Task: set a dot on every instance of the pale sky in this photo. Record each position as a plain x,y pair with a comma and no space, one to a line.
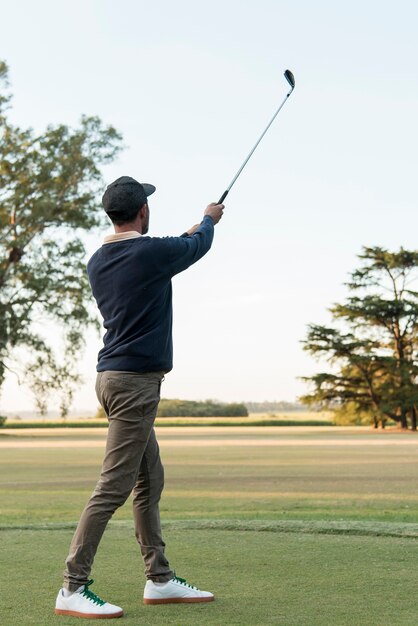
191,85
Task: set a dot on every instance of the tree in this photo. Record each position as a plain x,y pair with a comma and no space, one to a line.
49,185
374,353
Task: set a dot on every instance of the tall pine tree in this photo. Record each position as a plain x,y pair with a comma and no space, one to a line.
373,347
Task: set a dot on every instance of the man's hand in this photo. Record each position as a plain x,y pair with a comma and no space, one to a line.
215,211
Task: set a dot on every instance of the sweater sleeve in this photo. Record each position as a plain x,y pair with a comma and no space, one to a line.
186,250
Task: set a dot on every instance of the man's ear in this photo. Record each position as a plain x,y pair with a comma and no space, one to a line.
143,210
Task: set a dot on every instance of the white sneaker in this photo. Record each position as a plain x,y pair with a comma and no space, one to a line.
174,591
85,603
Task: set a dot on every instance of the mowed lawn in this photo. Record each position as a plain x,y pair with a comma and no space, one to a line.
303,526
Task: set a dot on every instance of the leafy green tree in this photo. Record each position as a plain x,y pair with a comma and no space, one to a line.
49,186
373,353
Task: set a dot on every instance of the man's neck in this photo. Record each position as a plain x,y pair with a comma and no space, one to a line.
135,225
139,224
128,228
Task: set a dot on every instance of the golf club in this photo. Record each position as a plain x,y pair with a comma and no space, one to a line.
291,80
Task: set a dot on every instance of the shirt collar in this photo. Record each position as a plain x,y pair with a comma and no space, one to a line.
129,234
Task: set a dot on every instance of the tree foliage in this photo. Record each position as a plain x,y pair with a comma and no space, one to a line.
373,351
208,408
49,186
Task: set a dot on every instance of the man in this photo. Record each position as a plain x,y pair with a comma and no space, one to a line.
130,277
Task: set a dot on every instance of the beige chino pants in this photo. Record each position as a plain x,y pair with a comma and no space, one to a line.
131,463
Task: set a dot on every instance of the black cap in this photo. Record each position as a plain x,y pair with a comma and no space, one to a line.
125,194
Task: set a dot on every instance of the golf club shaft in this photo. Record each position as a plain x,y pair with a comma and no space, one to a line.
225,193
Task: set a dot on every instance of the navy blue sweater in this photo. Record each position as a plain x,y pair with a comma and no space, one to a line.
131,283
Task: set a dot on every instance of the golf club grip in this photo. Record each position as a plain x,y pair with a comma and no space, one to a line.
223,196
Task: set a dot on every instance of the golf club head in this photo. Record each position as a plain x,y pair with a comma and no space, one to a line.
290,78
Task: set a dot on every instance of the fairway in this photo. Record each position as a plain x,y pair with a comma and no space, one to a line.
287,525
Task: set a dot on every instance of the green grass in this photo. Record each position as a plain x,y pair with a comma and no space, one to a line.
258,578
322,531
256,482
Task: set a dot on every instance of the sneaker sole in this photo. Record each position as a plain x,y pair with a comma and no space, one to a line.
88,615
176,600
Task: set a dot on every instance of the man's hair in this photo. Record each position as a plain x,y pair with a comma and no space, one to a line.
125,216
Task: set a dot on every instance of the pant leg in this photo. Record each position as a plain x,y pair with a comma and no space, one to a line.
130,401
146,497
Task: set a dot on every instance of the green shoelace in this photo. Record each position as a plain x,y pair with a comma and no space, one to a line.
183,581
90,595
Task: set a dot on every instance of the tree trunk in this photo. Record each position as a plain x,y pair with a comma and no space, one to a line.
413,418
404,419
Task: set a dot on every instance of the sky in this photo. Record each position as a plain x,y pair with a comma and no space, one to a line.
191,85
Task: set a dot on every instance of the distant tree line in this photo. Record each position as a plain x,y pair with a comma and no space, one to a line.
208,408
191,408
